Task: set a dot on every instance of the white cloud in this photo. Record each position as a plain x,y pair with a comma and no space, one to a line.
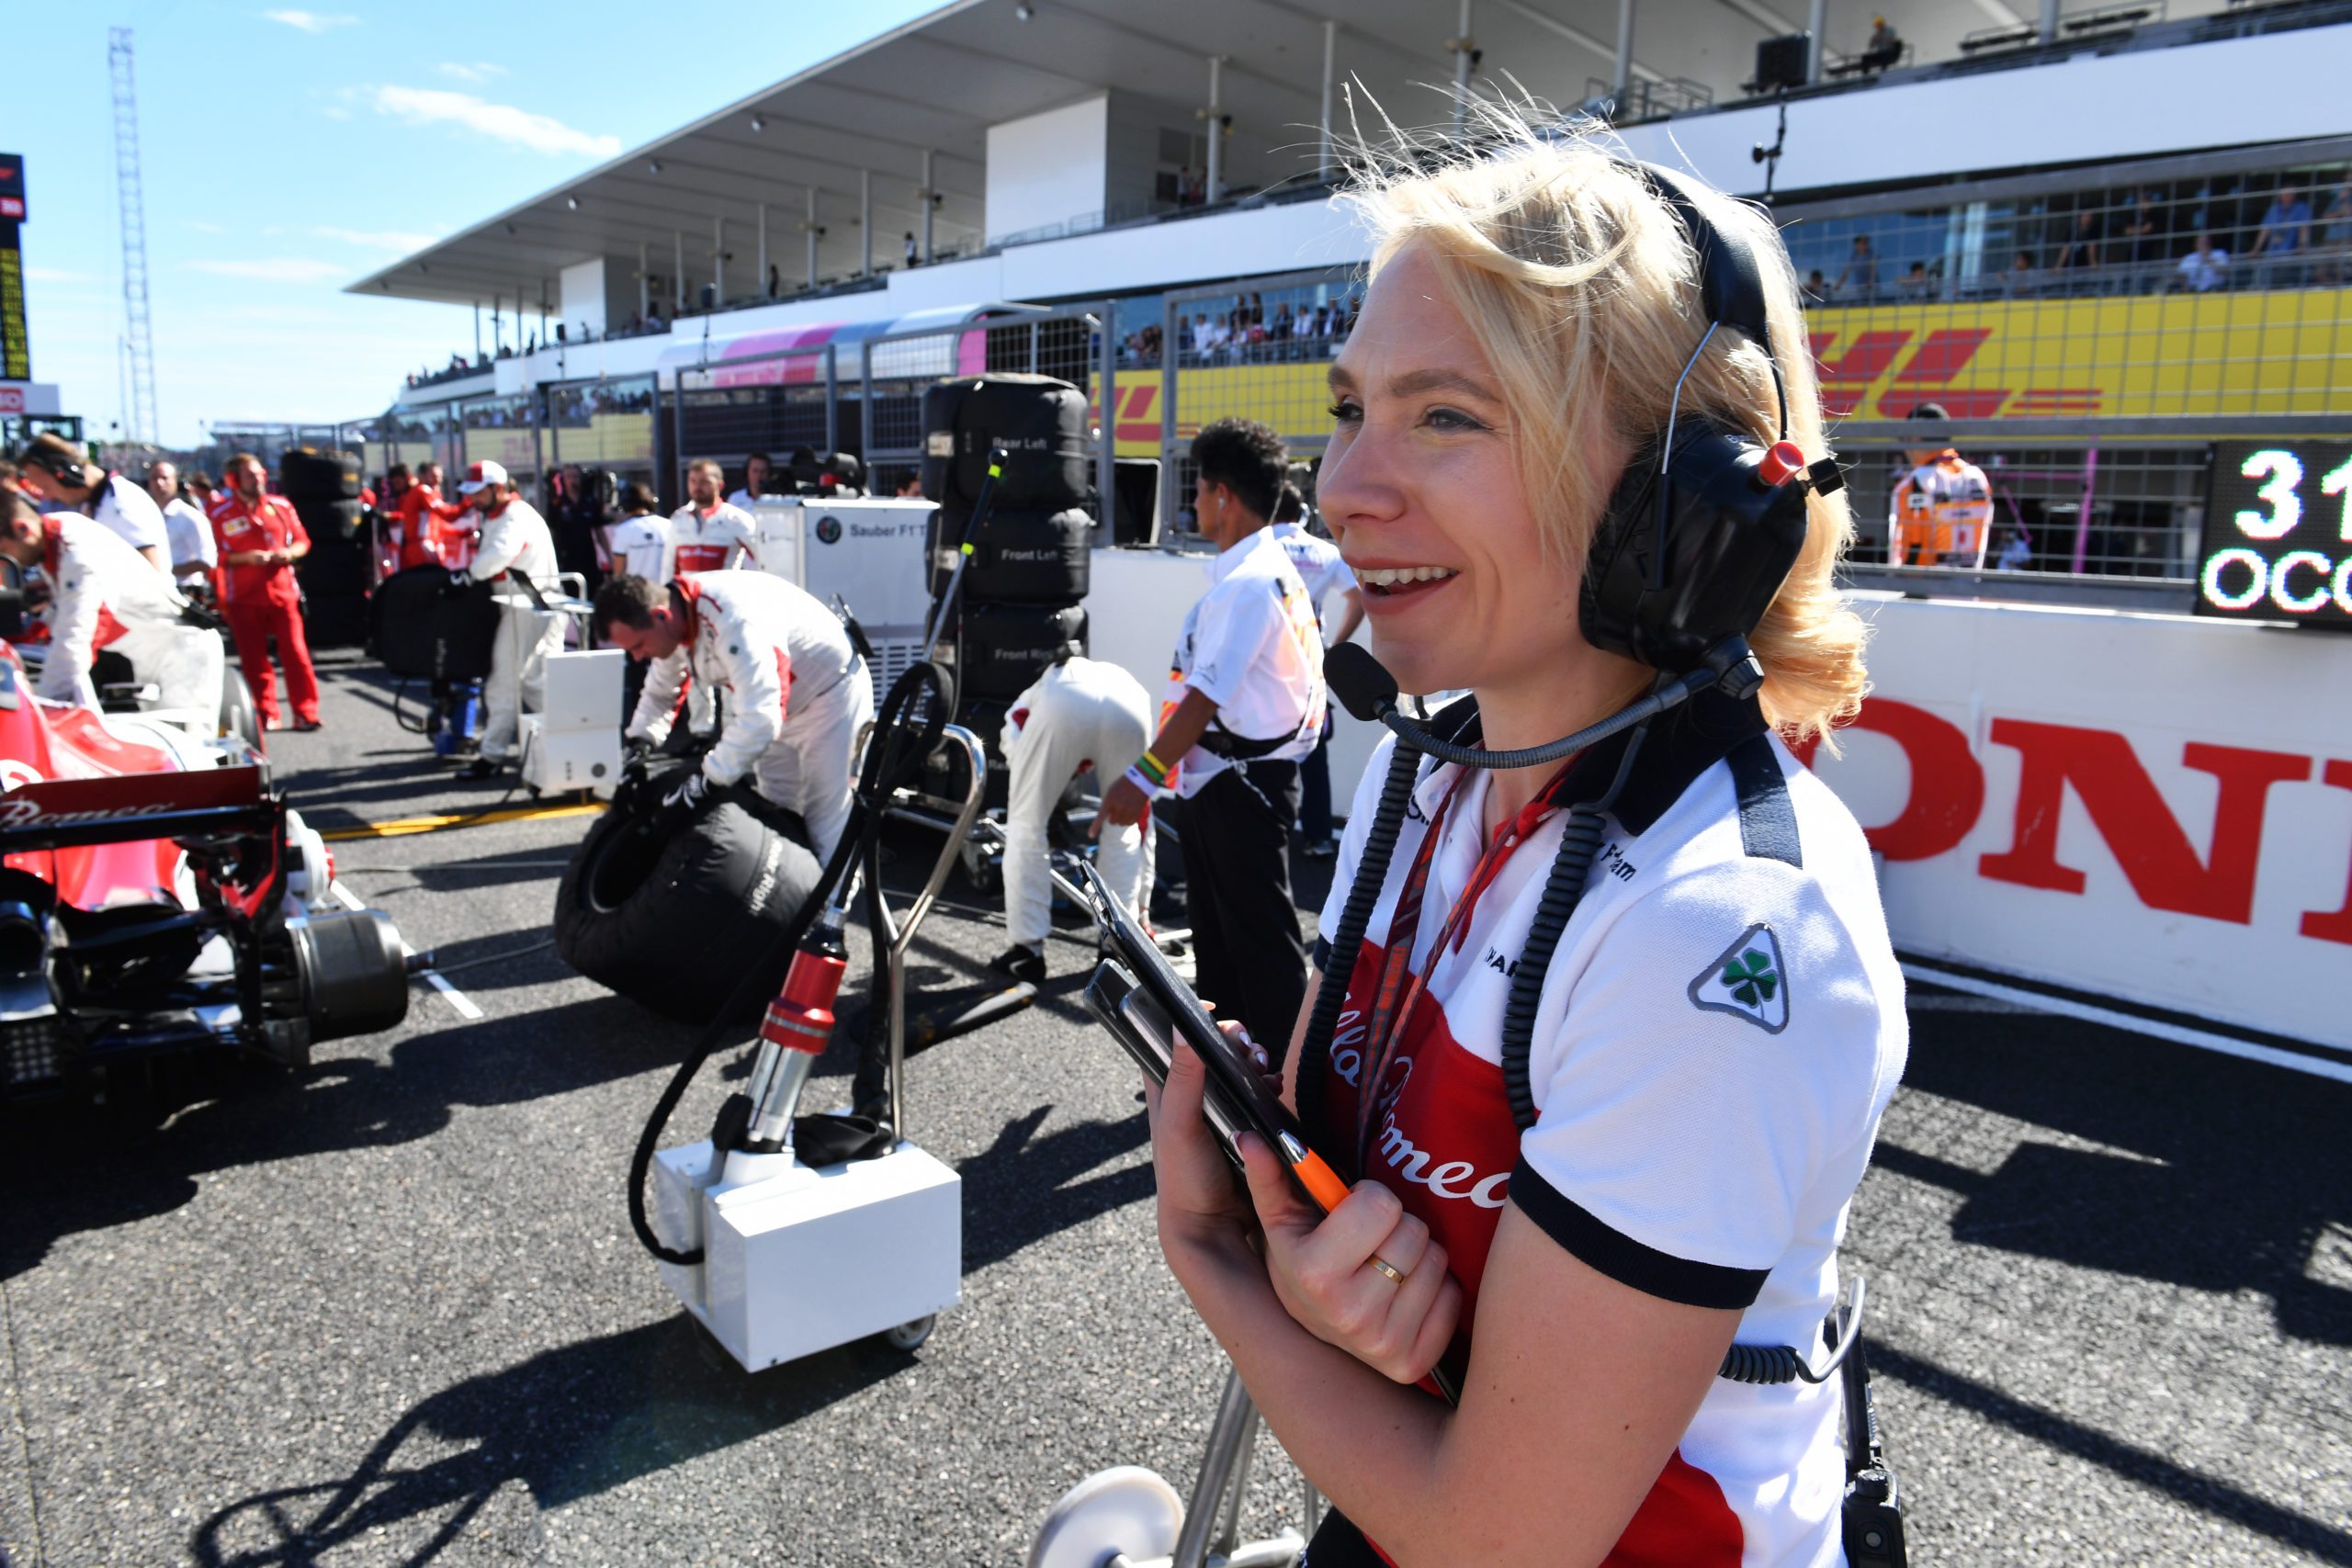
501,122
276,269
479,71
379,240
56,274
310,22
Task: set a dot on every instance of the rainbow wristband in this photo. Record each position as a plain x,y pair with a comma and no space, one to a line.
1154,769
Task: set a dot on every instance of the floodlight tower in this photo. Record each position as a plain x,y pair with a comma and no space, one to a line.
138,414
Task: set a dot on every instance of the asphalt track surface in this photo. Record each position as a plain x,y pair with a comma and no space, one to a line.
390,1310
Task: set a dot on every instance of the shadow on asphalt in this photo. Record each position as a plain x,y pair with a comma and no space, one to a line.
2243,1166
258,1115
568,1424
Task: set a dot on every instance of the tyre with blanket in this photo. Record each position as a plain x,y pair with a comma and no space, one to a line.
674,915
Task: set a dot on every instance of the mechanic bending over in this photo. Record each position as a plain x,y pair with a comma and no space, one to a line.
61,473
1244,704
104,594
514,544
260,538
1080,715
1718,1031
797,692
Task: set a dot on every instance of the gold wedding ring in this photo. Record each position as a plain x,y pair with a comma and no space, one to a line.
1388,1268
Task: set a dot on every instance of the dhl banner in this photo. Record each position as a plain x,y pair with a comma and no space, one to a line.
2125,355
2274,352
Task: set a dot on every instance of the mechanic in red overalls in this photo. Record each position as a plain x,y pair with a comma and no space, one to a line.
1577,1200
420,531
260,539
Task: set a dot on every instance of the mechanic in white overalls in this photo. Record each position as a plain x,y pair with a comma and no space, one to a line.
104,594
797,694
516,552
1082,716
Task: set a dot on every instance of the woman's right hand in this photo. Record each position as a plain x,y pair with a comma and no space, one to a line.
1322,1267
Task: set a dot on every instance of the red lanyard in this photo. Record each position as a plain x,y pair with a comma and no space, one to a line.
1400,989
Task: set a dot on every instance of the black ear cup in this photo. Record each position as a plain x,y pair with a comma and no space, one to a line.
1730,540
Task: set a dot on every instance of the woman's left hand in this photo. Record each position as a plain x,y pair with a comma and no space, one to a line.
1324,1267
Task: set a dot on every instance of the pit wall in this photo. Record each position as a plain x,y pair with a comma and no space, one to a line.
2141,817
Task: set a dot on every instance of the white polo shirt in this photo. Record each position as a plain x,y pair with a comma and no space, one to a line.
191,533
1318,561
707,541
1251,646
634,545
1719,1031
130,513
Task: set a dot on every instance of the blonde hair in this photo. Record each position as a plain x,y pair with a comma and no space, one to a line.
1581,286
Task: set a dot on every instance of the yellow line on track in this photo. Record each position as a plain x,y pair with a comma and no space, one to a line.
402,827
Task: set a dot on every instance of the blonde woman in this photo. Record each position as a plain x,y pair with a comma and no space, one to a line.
1721,1024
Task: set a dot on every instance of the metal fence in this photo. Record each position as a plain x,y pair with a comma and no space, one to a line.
2214,285
2113,509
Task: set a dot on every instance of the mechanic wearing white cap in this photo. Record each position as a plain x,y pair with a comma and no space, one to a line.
1245,704
102,594
797,692
515,544
61,474
1080,715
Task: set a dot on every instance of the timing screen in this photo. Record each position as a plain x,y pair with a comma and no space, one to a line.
2278,541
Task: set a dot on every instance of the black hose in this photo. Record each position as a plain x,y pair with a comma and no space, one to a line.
890,764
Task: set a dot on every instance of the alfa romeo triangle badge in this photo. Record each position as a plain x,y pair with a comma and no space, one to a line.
1747,981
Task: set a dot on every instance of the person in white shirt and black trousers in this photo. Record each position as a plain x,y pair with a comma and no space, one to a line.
1245,703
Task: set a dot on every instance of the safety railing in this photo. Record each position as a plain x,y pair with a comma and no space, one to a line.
1259,348
2219,285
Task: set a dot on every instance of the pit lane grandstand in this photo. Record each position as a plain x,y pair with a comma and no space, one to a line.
390,1310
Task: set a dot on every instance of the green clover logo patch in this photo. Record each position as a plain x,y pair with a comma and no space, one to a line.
1746,980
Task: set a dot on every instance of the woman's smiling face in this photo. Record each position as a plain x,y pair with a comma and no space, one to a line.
1421,488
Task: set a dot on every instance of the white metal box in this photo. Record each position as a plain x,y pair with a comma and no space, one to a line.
570,759
812,1258
868,555
583,691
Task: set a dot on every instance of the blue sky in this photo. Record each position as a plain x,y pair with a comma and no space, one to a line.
287,153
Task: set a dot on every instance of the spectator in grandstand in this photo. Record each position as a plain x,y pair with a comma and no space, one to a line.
756,471
1885,48
913,253
2141,243
2206,266
260,538
2081,251
776,281
2023,278
1816,288
1917,284
2336,235
187,530
1860,274
2283,236
1942,509
2018,554
59,473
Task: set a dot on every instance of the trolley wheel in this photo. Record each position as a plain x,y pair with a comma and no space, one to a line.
907,1335
1129,1509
